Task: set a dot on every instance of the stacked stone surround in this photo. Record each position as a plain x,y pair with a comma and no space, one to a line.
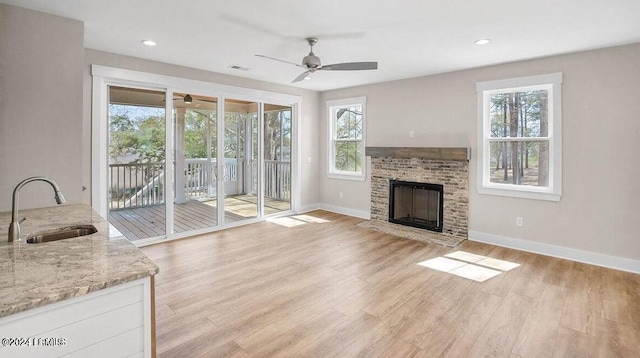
452,174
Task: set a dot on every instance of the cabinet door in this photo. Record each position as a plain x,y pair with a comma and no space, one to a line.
106,323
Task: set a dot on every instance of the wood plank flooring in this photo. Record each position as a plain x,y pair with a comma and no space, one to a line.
333,289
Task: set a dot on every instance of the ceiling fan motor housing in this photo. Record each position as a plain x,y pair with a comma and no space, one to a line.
311,61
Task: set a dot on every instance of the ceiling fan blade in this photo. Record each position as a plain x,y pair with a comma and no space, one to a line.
351,66
302,76
277,59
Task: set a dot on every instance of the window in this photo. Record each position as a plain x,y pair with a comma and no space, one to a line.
519,137
347,138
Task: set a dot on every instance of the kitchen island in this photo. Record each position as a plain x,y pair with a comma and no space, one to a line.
85,296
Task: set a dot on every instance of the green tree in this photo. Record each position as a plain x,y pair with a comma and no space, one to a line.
348,148
199,124
520,115
141,137
277,135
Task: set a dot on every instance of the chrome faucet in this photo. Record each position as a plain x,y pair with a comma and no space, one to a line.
14,227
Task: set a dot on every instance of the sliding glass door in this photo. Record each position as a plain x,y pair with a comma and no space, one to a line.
277,158
257,147
181,163
241,165
136,163
195,124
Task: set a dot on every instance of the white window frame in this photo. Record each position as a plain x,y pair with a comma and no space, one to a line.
332,107
551,82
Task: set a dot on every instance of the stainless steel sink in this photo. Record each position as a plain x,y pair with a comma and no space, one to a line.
63,233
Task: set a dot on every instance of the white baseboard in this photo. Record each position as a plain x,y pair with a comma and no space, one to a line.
307,208
336,209
586,257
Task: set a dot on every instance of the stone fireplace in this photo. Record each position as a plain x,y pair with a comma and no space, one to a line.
429,168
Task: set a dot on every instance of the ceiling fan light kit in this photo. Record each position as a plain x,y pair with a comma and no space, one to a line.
312,63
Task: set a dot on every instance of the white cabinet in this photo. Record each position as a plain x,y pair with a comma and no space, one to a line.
112,322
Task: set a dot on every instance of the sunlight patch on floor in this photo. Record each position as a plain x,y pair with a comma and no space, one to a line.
442,264
476,273
498,264
286,221
465,256
297,220
310,219
468,265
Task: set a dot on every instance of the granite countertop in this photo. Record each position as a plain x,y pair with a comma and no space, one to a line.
33,275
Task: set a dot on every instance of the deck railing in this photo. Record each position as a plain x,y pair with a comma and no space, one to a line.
200,176
277,179
136,184
142,184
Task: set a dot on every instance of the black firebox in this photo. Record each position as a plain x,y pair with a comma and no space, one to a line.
416,204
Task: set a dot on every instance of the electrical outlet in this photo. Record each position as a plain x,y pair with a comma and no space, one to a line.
309,160
341,194
411,134
519,221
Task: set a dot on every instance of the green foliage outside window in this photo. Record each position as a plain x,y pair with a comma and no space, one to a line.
136,133
348,139
522,116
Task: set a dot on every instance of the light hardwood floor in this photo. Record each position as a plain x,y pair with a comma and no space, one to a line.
333,289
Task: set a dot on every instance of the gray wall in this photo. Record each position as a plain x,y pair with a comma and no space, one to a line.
41,61
601,144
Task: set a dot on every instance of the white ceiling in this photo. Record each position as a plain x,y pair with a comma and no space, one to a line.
408,38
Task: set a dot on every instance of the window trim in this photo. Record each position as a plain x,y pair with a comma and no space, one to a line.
331,107
551,82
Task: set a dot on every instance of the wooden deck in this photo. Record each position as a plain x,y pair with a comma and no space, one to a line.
149,221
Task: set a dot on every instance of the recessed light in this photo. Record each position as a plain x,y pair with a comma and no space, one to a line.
235,67
149,42
482,42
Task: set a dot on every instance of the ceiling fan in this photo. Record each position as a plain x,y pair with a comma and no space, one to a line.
312,63
188,99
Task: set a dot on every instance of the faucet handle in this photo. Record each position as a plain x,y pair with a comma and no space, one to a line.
21,220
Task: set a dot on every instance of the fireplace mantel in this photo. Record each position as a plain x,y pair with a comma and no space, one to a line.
436,153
